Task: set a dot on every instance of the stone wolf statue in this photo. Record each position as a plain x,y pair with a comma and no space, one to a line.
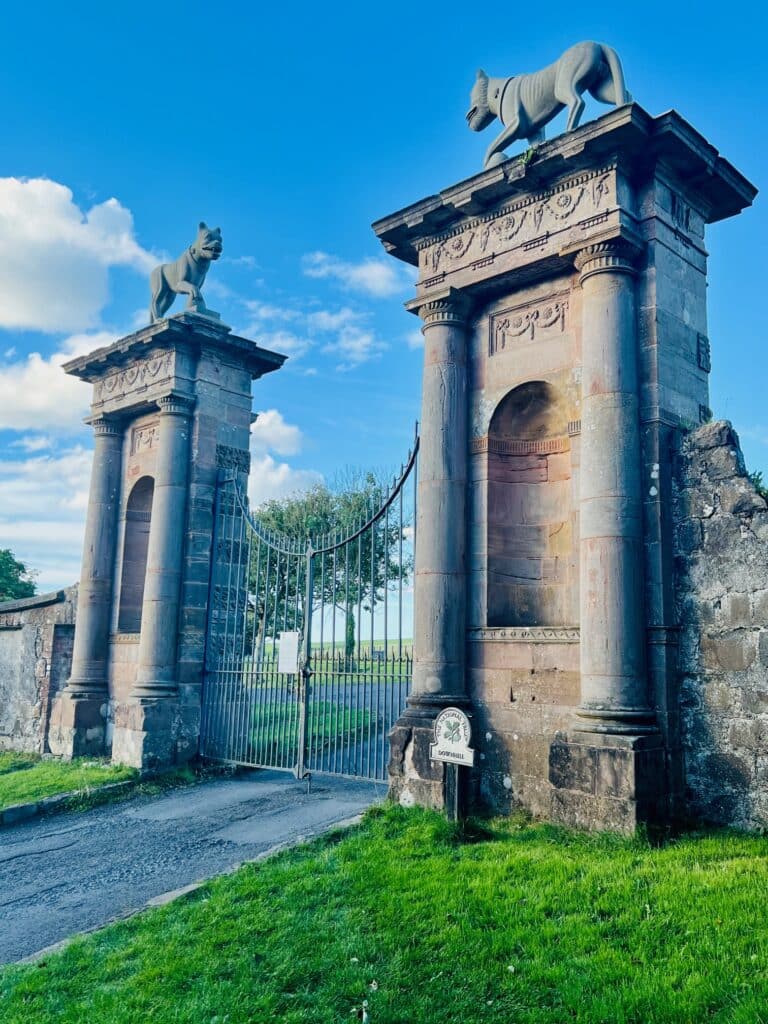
186,275
526,103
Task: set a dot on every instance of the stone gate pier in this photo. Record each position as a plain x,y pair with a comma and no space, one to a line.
566,353
171,407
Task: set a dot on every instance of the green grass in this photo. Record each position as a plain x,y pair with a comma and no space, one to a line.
512,923
26,778
327,722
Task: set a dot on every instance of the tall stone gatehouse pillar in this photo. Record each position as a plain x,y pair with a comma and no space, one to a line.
171,408
575,280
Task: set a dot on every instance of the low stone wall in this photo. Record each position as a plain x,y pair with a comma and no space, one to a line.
36,637
721,556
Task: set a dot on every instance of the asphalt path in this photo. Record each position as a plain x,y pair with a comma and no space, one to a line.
68,873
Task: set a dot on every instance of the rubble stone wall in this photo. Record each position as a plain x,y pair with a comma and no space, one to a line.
721,559
36,636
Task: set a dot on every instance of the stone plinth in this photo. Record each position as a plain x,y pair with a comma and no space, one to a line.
171,407
569,292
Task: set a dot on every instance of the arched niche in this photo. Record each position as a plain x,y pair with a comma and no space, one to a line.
138,514
531,552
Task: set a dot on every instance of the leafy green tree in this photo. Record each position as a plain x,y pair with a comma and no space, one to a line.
756,480
16,579
351,581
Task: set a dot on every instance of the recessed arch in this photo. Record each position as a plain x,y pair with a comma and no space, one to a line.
138,516
530,540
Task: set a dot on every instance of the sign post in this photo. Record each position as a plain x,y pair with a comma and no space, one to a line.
451,745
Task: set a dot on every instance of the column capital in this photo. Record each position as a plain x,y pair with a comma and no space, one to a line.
447,307
617,256
106,426
175,404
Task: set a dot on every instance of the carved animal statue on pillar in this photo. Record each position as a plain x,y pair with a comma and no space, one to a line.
186,276
526,103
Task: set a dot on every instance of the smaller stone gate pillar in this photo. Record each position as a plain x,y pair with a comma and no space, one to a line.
440,567
145,731
156,676
78,720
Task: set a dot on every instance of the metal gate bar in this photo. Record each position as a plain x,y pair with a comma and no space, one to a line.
334,714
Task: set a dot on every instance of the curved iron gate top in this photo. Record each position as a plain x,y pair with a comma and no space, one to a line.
328,704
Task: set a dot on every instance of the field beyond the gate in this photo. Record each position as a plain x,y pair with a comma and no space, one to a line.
430,924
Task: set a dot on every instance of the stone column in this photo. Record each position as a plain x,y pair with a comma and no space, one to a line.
440,584
156,675
614,688
78,719
440,571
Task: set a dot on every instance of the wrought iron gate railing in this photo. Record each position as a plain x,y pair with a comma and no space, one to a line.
349,599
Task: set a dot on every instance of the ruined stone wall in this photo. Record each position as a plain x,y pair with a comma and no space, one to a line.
36,637
721,559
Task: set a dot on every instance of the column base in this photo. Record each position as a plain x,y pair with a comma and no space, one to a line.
616,721
605,782
415,780
78,725
155,733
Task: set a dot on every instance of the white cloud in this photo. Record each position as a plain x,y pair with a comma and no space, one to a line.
271,479
268,311
43,502
415,339
36,394
285,342
33,443
271,432
324,320
355,346
56,257
379,278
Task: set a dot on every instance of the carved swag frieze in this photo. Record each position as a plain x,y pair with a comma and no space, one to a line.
139,374
528,220
524,323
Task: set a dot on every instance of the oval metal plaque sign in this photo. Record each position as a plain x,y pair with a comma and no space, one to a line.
452,736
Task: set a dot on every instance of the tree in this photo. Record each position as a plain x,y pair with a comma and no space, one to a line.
756,479
16,579
350,579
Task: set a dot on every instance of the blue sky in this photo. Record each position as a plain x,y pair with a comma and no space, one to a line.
293,126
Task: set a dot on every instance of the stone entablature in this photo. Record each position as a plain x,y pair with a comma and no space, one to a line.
523,232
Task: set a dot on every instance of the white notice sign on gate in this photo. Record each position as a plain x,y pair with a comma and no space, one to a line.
288,653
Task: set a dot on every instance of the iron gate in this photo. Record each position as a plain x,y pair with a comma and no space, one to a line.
348,598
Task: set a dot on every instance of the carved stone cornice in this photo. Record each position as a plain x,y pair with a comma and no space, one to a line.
616,256
504,446
526,634
176,405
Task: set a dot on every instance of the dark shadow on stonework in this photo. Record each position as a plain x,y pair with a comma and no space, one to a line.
138,514
531,554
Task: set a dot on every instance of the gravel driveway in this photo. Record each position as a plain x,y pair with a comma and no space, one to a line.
73,872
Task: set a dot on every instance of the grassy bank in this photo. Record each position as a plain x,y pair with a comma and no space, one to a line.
519,923
26,778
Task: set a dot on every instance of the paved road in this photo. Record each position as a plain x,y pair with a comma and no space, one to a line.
72,872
